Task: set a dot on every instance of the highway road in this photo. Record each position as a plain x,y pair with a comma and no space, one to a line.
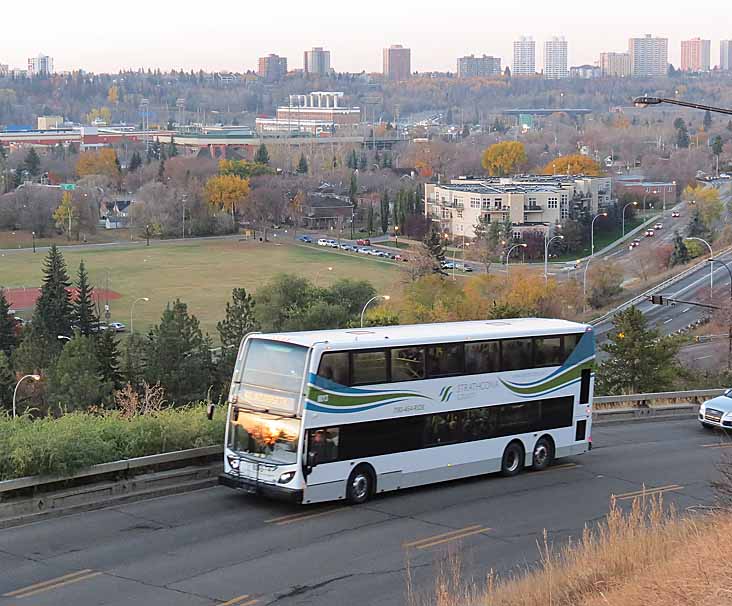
216,546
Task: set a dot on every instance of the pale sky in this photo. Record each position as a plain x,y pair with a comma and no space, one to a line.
231,35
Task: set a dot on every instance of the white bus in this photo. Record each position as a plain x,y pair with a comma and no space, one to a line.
346,414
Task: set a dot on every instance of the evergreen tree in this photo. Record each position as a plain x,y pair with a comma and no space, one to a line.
75,381
178,355
679,123
639,359
237,323
729,125
717,146
161,171
172,148
107,350
32,163
384,212
7,383
434,247
363,161
302,165
707,120
262,155
8,328
53,312
682,138
680,254
135,162
82,307
134,361
466,131
370,224
697,228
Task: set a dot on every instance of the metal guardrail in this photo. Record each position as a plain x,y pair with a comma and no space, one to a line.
180,456
650,399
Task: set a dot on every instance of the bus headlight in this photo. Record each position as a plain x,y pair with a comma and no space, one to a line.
233,462
286,477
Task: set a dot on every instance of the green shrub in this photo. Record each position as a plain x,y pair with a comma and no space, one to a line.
77,440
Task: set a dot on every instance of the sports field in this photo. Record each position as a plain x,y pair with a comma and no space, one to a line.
201,273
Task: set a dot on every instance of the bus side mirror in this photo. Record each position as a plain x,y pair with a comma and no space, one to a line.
210,409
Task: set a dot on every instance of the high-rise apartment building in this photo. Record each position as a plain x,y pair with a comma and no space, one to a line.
42,65
695,55
555,59
478,67
648,56
397,62
725,54
615,65
524,57
272,67
4,70
317,61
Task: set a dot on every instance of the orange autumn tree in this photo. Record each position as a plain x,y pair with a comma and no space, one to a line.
573,164
227,192
502,159
103,162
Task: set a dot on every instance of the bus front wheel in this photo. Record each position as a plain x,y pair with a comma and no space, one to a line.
512,461
543,453
360,485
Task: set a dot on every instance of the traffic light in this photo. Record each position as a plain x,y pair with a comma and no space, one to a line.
657,300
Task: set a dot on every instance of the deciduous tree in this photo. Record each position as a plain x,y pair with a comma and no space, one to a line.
573,164
103,162
8,330
228,193
502,159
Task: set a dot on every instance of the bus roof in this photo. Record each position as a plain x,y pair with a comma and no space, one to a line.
380,336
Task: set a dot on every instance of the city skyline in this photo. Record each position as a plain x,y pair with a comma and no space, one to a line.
157,37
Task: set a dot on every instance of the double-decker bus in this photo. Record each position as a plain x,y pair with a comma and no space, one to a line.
346,414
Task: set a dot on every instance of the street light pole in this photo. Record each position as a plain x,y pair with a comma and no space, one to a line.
132,310
372,299
592,231
33,234
508,254
711,272
645,101
15,391
546,255
712,261
634,203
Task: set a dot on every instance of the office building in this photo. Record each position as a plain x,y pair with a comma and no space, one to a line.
725,55
272,68
478,67
615,65
41,65
585,72
317,61
530,202
648,56
524,57
695,55
4,70
397,62
555,59
318,113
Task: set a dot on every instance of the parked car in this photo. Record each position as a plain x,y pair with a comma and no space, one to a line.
675,214
717,412
692,201
117,326
363,242
467,268
344,246
364,251
658,226
332,243
322,242
636,241
650,233
306,239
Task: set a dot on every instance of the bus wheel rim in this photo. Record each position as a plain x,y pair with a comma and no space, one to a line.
513,459
541,454
360,486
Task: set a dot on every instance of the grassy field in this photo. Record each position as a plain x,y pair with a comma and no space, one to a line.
201,273
24,239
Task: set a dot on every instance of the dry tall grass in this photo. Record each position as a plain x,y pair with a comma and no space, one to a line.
647,556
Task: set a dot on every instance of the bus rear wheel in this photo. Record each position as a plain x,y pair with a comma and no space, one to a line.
360,485
543,454
512,461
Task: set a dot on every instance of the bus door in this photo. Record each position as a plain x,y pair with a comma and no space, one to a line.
325,475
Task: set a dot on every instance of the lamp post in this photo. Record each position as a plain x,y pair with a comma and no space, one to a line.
15,391
592,231
132,310
633,203
584,283
33,235
546,254
645,195
645,101
712,261
396,235
317,275
508,254
63,337
711,256
371,300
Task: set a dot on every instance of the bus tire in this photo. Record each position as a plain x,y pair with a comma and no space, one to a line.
513,459
361,485
543,455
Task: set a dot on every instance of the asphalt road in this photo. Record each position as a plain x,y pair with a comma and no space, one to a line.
216,546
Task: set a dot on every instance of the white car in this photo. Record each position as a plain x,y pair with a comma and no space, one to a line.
117,326
345,247
332,243
717,412
364,251
322,242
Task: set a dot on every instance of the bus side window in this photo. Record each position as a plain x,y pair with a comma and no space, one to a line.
323,445
548,351
334,367
517,354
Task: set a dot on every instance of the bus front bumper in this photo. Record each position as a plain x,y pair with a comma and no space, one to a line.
253,487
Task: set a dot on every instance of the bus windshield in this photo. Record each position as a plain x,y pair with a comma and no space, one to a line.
266,436
272,375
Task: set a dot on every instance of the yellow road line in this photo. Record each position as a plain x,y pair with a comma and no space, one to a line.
281,521
44,583
718,445
454,538
445,536
562,466
59,585
646,492
239,601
